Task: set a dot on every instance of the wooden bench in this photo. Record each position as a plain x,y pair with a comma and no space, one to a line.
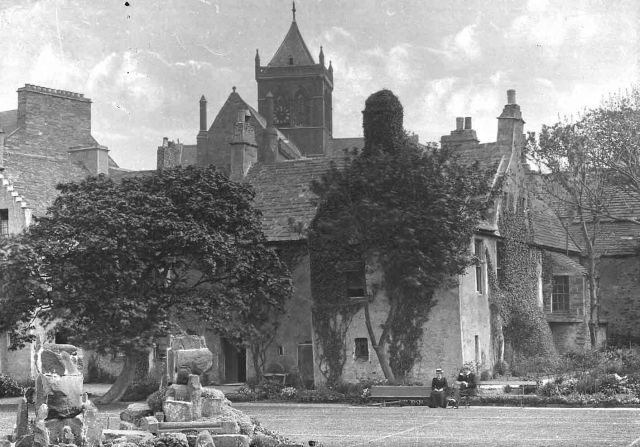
399,393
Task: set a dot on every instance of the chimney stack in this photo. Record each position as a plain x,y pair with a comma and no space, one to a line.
510,124
202,155
462,137
244,149
459,123
467,123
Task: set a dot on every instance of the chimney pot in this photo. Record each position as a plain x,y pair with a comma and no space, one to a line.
165,141
467,123
459,123
511,96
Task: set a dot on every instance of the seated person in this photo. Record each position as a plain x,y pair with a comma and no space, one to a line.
466,382
439,390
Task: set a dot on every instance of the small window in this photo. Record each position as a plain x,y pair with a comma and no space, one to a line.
355,281
560,294
280,350
290,60
362,349
4,222
479,253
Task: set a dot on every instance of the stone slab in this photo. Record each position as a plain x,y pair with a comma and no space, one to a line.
135,436
231,440
62,394
177,411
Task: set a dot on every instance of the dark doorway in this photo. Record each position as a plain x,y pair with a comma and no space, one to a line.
305,364
235,363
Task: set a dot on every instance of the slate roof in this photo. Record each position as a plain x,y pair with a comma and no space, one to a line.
488,155
292,46
35,177
546,228
338,146
562,264
283,195
9,121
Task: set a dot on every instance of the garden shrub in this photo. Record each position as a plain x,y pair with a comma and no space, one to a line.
155,399
9,387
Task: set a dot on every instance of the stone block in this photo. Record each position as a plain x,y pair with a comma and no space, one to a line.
56,428
196,361
178,392
124,425
22,420
51,363
135,436
62,394
231,440
177,411
211,406
136,411
92,428
149,423
187,342
194,390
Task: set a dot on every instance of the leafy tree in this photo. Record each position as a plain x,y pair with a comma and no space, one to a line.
115,264
586,165
408,211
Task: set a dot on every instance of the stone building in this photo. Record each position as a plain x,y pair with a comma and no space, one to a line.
46,140
286,142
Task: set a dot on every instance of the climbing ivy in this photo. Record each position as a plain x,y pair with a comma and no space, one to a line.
407,212
516,314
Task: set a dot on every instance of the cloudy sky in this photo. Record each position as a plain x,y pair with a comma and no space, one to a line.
145,65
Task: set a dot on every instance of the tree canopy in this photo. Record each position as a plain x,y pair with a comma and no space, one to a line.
588,164
116,264
409,210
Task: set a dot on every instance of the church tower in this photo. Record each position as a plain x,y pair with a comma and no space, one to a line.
301,92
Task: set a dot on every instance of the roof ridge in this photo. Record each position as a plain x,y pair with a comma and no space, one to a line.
291,39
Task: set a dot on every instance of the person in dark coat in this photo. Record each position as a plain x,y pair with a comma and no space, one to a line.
439,390
466,382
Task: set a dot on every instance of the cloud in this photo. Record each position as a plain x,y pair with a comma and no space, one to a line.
335,33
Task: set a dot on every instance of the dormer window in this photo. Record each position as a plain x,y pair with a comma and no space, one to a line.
290,60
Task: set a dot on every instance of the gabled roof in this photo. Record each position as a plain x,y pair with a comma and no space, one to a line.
546,228
283,194
9,121
562,264
292,46
35,177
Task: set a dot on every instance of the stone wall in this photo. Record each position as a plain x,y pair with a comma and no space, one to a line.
620,299
51,121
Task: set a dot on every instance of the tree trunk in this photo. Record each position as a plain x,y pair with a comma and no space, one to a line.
379,347
125,379
594,305
258,361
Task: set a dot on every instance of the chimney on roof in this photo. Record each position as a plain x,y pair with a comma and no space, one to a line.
244,149
510,125
169,155
203,135
2,138
462,137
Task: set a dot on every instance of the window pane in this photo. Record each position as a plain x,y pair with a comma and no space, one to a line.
362,348
560,294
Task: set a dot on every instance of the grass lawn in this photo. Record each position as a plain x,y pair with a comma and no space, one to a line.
343,425
349,426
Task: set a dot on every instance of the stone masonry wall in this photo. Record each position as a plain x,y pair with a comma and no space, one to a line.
52,121
620,299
